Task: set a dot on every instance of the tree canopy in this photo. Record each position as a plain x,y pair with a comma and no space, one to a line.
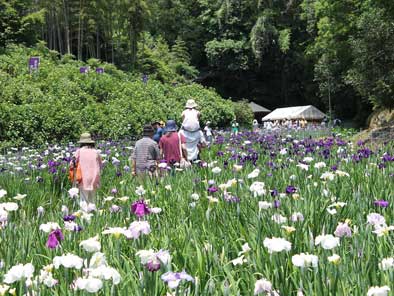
277,53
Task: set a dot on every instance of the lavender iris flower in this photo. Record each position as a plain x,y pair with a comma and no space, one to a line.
231,198
174,278
114,209
342,230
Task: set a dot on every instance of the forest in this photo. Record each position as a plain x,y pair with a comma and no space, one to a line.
274,52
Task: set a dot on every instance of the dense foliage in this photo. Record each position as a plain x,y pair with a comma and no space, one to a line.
277,53
58,102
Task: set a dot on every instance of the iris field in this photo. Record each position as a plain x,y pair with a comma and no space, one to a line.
260,215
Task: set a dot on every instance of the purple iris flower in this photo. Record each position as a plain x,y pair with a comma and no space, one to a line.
140,208
231,198
276,203
54,238
326,153
386,157
114,191
153,265
52,170
274,192
381,203
78,228
212,189
291,189
69,218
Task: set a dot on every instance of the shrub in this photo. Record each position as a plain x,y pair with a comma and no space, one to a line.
243,113
57,102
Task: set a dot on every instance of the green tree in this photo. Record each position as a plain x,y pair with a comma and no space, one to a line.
372,71
18,23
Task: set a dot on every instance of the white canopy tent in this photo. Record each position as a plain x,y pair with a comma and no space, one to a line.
257,108
301,112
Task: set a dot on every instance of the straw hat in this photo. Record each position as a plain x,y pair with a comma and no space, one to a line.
190,104
86,139
160,122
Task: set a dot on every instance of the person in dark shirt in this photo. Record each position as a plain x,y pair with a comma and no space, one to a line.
158,126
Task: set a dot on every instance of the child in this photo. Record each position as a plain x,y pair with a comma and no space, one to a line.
208,132
234,127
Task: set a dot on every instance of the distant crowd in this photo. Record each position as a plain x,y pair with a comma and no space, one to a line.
297,124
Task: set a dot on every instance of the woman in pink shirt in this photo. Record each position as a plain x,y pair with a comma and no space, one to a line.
90,163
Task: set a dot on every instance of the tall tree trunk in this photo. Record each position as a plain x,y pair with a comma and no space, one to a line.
133,47
48,30
105,51
284,86
66,26
59,35
97,42
80,34
112,41
53,32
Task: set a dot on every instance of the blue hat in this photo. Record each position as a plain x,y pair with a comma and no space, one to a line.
171,126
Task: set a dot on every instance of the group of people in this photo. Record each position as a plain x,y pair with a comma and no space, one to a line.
279,124
169,145
159,144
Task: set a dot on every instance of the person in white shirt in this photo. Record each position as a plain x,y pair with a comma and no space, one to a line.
208,132
191,117
255,125
191,129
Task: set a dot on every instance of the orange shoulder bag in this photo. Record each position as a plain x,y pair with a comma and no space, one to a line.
75,173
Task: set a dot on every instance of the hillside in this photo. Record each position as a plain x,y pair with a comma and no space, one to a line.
57,102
